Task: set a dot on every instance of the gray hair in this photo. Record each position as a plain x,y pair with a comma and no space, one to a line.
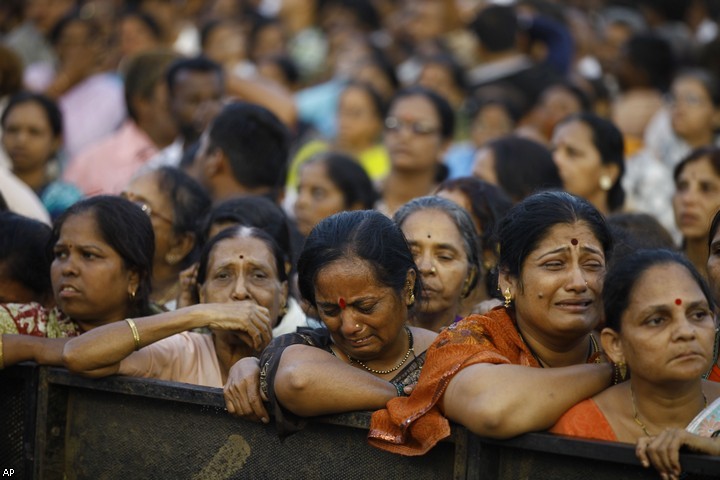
462,220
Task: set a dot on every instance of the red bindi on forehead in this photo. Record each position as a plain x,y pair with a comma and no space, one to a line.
678,301
574,241
342,303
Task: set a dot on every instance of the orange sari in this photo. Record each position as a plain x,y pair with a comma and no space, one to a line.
585,420
413,425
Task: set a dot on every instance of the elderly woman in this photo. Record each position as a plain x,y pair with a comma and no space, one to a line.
243,285
356,269
487,204
696,200
174,202
661,327
446,250
589,154
102,250
553,249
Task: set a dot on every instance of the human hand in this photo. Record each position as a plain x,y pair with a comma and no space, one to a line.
663,451
247,319
243,397
188,286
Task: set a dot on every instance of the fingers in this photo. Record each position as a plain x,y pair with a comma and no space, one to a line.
242,391
662,452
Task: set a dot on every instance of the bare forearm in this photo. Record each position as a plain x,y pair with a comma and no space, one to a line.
106,346
503,401
312,382
22,348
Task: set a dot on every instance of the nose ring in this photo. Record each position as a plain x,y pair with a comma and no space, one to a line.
433,270
357,325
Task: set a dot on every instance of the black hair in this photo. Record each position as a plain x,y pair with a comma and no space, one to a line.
578,93
128,231
11,71
496,27
349,177
608,140
48,105
713,229
375,98
364,11
530,221
462,221
22,242
488,204
444,111
253,211
255,142
706,78
258,24
652,55
379,59
712,153
634,231
287,66
94,31
190,203
143,73
147,20
196,64
449,62
242,232
364,234
523,166
622,278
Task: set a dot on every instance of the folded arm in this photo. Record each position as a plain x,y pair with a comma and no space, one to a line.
100,351
502,401
311,381
23,348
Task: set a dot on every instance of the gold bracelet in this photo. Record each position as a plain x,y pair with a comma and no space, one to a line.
136,335
2,361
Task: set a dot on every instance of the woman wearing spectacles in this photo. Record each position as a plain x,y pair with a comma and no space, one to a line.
175,204
418,130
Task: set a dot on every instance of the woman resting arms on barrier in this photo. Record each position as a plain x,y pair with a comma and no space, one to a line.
446,249
356,269
553,249
102,249
661,327
243,284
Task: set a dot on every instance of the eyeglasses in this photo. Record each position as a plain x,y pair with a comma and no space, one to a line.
393,124
688,99
151,213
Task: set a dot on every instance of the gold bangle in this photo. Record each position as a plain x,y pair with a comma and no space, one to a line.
2,361
136,335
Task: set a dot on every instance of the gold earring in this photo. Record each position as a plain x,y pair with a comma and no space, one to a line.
132,295
606,182
508,297
411,294
466,288
171,258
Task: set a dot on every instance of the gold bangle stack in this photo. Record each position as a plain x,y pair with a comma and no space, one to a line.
136,335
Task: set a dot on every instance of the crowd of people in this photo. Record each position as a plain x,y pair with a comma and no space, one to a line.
500,214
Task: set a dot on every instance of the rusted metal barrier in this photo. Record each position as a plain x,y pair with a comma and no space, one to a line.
58,425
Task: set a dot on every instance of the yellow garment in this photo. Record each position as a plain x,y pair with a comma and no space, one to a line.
375,160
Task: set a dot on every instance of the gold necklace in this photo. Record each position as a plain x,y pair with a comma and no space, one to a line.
636,416
402,362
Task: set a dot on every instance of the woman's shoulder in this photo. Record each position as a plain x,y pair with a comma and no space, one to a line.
422,338
586,420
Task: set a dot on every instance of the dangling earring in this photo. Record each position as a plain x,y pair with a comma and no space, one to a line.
606,182
508,297
411,294
132,295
